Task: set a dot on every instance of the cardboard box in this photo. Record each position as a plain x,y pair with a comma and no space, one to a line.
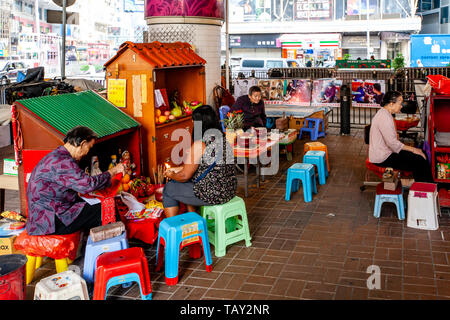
7,245
10,168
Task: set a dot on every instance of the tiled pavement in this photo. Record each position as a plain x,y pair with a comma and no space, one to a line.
319,250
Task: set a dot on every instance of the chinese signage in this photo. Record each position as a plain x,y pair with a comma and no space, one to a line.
185,8
254,41
312,9
430,50
117,92
363,64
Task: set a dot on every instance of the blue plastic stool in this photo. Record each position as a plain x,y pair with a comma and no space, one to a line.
94,249
177,232
384,195
126,279
312,126
304,172
319,159
223,111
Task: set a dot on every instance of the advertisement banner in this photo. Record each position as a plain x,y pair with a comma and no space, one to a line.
430,50
185,8
368,91
312,9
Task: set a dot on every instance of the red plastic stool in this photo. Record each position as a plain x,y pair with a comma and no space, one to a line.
61,248
120,267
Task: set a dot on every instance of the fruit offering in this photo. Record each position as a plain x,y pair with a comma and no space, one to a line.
13,215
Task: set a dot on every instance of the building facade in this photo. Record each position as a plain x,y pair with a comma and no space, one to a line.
435,16
321,30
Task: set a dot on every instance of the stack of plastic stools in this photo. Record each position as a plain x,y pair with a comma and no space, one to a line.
221,236
304,172
423,206
318,158
312,125
384,195
66,285
119,267
95,249
175,233
317,146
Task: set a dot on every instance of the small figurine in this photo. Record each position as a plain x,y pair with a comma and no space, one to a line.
129,166
119,154
95,170
113,161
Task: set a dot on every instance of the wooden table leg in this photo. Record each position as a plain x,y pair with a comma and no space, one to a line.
258,172
2,200
246,176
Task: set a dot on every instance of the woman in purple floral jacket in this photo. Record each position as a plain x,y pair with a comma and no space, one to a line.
54,205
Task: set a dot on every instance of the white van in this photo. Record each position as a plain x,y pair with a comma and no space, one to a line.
263,65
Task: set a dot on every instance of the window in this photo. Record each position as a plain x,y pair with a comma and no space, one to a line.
274,64
444,15
253,63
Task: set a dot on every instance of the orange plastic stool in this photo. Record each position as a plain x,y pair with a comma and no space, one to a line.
317,146
122,266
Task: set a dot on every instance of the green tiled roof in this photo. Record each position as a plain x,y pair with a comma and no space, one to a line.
65,111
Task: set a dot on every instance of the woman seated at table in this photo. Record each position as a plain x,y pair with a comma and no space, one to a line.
385,150
205,178
54,205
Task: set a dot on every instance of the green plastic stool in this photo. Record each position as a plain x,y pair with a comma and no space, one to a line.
228,228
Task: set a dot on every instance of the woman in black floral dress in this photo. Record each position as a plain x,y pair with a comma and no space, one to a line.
207,176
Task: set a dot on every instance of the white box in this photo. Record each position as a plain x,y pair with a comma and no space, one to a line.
423,206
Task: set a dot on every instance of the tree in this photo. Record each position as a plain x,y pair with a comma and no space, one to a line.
399,62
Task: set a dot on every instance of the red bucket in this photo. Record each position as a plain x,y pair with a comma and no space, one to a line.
12,277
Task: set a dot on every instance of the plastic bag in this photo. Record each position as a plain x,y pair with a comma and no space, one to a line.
439,83
132,203
52,246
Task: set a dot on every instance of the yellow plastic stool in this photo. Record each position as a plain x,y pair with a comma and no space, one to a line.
35,263
317,146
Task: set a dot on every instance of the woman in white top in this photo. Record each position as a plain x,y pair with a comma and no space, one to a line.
385,150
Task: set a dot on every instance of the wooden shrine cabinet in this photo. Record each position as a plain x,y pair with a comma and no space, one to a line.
40,125
439,132
145,67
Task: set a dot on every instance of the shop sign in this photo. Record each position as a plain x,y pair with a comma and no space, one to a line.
363,64
356,42
430,50
117,92
250,10
312,9
254,41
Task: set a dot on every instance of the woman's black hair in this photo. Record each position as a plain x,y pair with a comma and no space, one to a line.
208,117
390,97
78,134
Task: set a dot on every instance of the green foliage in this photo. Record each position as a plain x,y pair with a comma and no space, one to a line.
399,62
346,56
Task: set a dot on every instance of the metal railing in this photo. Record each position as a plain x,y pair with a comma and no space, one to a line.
404,80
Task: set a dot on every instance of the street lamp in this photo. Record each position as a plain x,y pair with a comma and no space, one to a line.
64,4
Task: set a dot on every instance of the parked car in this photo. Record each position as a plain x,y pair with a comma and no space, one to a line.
259,65
9,70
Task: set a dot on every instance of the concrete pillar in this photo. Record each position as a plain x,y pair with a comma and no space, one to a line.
202,29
